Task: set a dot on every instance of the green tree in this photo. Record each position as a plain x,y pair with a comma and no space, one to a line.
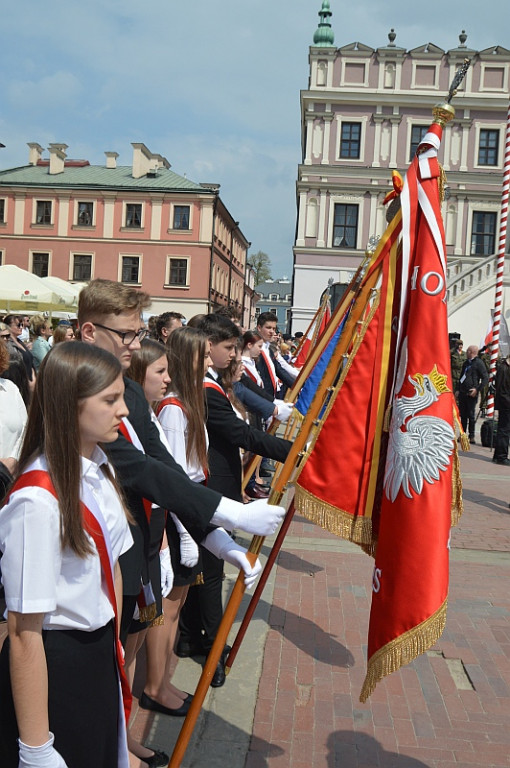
261,263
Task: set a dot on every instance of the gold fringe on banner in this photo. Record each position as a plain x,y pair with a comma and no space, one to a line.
158,622
335,520
402,650
457,503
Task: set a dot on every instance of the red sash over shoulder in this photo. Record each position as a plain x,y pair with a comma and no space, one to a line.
210,384
41,479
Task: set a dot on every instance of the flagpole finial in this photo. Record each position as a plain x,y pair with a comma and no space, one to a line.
444,112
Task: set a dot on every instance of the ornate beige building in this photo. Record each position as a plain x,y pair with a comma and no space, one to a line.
363,114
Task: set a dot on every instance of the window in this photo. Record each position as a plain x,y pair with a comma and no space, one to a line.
417,134
483,234
274,297
350,141
288,297
181,217
178,271
134,216
488,147
130,269
40,264
345,226
2,211
85,214
273,310
43,212
257,311
82,266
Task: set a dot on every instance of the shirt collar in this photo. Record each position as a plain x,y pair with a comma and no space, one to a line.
91,467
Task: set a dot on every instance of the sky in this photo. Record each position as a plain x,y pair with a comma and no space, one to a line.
213,85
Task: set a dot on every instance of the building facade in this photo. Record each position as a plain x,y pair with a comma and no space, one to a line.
142,225
276,297
363,114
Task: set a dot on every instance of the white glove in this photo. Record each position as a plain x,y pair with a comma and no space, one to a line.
257,517
223,546
44,756
284,410
167,574
188,546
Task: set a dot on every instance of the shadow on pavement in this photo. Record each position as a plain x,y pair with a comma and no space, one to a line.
487,502
310,638
292,562
354,748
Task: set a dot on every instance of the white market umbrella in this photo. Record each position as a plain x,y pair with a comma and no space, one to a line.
22,291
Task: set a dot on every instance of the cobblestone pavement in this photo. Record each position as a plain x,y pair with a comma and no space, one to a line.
292,697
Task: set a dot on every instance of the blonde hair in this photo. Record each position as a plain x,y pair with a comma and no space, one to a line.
106,297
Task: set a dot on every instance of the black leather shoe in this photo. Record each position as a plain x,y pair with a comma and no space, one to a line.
147,703
157,760
504,462
219,677
256,492
184,649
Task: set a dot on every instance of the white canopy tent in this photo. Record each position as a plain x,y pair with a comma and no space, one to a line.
22,291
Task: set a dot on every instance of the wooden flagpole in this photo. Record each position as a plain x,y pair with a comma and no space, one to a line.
287,469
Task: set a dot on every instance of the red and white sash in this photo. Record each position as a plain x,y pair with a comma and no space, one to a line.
211,384
95,525
270,367
170,400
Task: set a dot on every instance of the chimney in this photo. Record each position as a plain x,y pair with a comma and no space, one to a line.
35,153
141,160
111,159
57,158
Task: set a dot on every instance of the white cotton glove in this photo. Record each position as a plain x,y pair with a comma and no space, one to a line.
167,574
188,546
44,756
223,546
257,517
284,410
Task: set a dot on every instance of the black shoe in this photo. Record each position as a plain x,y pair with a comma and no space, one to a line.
257,492
184,649
504,462
158,759
472,441
147,703
219,677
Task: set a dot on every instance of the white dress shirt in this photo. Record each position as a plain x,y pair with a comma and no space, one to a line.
173,424
41,577
13,417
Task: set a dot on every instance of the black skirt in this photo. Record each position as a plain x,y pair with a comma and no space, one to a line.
83,699
183,576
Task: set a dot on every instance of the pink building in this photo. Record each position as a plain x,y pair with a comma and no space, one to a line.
140,224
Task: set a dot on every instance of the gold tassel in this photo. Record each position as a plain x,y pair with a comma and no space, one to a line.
158,621
199,580
464,442
457,502
335,520
402,650
148,613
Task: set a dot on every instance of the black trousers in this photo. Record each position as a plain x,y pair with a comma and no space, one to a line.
467,407
502,435
202,612
83,699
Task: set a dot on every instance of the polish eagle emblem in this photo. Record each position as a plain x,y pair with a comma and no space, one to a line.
419,447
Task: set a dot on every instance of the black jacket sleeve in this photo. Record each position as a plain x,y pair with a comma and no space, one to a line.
154,475
253,400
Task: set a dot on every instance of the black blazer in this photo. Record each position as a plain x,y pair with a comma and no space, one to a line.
227,433
154,475
281,373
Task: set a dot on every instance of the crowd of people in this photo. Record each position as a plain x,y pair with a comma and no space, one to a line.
121,465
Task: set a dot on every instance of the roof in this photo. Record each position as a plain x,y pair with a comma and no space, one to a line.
98,177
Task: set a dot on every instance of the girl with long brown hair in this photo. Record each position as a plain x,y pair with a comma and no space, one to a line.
62,531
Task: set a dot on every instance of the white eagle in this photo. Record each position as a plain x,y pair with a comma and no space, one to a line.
419,446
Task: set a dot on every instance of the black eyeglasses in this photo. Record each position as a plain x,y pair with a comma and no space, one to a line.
127,337
5,336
